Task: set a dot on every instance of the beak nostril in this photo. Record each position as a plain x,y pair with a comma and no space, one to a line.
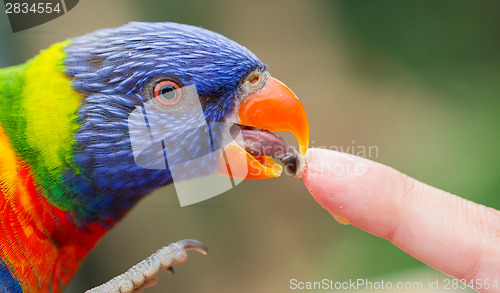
255,79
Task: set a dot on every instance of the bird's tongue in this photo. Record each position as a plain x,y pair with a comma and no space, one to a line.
259,147
261,143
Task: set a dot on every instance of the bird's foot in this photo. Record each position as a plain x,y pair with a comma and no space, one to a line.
145,273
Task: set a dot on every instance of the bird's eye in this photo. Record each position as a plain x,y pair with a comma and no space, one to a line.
168,93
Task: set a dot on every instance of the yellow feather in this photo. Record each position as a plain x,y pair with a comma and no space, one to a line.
50,104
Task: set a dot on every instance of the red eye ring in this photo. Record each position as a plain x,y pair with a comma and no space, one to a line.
168,93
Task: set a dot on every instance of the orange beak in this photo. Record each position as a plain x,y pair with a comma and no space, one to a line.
274,108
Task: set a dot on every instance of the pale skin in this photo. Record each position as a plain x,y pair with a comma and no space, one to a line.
454,235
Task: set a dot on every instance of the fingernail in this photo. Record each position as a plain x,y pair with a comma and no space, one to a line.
336,164
341,220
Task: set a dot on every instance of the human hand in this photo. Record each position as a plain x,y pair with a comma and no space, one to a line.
454,235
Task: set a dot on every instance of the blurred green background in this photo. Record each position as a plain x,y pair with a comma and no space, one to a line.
420,80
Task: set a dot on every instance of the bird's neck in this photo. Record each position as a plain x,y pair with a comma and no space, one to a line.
41,245
37,112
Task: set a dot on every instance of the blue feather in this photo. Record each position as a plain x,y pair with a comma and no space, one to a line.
110,68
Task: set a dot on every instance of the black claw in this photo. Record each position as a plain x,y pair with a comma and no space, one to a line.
191,244
171,270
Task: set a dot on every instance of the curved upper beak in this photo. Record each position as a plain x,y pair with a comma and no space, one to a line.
274,108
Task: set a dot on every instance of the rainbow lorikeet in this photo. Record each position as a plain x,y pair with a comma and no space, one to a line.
68,172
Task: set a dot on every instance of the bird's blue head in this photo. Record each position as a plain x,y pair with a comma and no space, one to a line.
123,60
186,83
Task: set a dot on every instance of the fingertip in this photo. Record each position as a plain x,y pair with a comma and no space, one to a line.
329,178
353,189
